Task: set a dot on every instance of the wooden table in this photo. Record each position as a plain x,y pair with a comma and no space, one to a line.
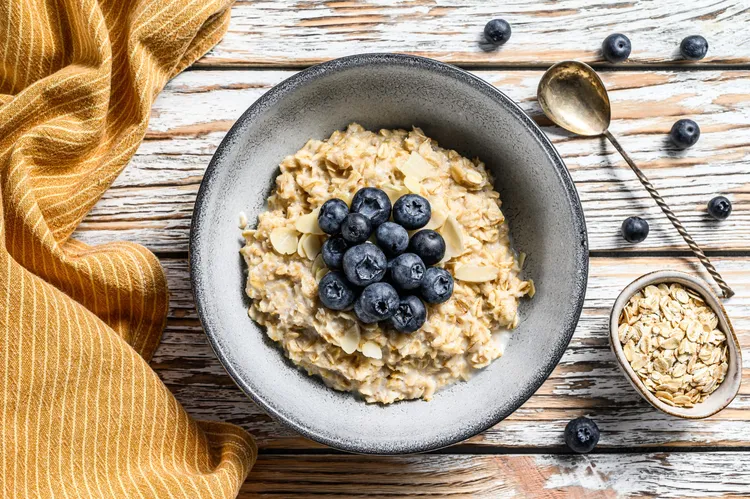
641,452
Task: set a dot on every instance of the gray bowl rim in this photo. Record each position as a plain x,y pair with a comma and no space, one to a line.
414,62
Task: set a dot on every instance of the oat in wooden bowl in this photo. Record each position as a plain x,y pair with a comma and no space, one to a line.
670,337
676,345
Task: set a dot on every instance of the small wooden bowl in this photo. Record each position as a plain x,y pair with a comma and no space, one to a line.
728,389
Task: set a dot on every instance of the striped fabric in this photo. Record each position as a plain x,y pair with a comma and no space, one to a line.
81,413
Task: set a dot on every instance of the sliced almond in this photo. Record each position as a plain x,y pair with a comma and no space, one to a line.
350,340
394,192
301,245
413,184
346,197
372,350
317,264
243,220
416,166
476,273
284,240
312,246
308,224
437,219
321,273
453,235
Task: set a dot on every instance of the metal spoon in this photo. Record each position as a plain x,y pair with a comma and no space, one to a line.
573,96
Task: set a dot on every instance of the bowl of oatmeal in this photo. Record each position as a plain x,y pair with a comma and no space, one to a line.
500,198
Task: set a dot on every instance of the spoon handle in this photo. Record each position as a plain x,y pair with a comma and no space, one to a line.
697,251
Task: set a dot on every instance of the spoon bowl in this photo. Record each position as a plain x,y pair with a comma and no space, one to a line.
573,96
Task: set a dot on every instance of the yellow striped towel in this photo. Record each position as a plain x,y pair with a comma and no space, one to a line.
81,413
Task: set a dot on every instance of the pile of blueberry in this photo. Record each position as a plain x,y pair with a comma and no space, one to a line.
383,281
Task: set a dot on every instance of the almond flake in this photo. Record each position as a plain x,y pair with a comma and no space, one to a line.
416,166
350,340
476,273
413,184
284,240
453,235
308,224
394,192
317,264
437,219
372,350
311,245
300,246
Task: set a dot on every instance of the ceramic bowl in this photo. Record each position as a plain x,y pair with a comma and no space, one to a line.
461,112
726,392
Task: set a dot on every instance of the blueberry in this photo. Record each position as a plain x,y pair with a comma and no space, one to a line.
377,302
581,435
407,271
356,228
333,251
719,208
392,238
694,47
364,264
335,292
372,203
331,215
412,211
428,245
410,315
685,133
616,47
437,285
634,229
497,31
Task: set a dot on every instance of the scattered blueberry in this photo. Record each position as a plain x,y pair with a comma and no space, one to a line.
364,264
719,208
377,302
407,271
634,229
428,245
616,47
694,47
410,315
412,211
372,203
335,292
437,285
392,238
356,228
333,251
685,133
581,435
331,215
497,31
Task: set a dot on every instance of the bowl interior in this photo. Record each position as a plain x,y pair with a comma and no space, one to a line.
731,385
459,111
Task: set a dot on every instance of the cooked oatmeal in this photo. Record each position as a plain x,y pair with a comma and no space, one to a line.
465,333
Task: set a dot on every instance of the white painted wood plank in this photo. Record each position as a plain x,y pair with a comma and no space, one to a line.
152,201
292,32
674,475
586,382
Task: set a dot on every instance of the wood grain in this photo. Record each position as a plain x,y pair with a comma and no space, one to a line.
302,32
595,476
587,380
151,203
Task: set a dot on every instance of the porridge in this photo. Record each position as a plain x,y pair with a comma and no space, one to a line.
465,333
